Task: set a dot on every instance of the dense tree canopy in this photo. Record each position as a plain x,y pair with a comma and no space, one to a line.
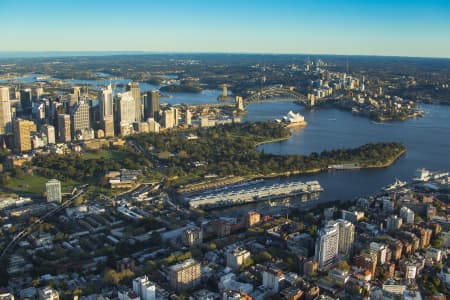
230,150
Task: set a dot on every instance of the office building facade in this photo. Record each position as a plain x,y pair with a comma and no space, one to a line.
5,111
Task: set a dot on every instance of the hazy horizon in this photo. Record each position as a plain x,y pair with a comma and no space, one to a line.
382,28
70,53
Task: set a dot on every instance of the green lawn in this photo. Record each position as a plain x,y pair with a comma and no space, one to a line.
105,154
36,184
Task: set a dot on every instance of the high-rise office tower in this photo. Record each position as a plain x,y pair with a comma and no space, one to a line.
53,189
22,134
76,91
64,128
106,103
176,116
126,111
26,97
5,111
168,118
133,87
327,246
108,126
49,131
74,96
37,93
151,105
80,118
346,236
153,126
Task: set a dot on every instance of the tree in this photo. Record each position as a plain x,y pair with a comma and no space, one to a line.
436,242
343,265
111,277
212,246
263,257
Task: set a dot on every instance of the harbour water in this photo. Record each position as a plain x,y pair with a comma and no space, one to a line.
427,141
205,96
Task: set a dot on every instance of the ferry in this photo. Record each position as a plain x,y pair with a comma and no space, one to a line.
397,184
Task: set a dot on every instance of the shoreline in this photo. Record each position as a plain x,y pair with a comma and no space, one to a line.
274,140
386,164
320,170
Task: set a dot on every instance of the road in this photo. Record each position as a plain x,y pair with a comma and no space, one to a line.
22,234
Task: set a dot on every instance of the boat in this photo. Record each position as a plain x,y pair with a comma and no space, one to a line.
397,184
422,175
377,123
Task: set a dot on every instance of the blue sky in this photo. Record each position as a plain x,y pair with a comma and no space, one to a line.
372,27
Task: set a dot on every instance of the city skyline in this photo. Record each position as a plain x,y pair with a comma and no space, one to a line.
387,28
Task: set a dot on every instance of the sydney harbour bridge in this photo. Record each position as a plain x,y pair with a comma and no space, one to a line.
278,93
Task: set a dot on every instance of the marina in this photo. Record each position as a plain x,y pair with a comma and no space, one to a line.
253,191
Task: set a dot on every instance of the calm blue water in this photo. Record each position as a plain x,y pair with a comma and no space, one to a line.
427,140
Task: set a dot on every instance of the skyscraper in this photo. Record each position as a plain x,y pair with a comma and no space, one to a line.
168,118
26,97
346,236
126,111
151,105
53,189
188,117
133,87
106,103
22,134
64,128
327,246
176,116
5,111
108,126
80,118
49,131
75,96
